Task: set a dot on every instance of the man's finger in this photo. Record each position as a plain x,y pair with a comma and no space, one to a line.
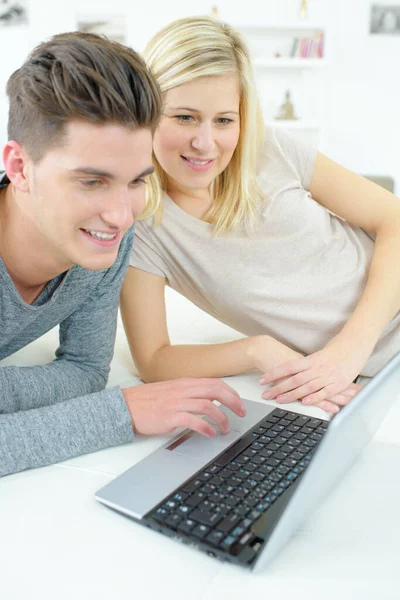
214,389
205,407
193,422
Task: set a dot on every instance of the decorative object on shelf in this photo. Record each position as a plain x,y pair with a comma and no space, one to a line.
303,13
214,11
308,47
13,12
286,111
385,20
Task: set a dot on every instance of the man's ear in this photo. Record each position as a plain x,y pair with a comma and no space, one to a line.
16,163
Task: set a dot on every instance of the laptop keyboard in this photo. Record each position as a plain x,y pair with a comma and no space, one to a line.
221,503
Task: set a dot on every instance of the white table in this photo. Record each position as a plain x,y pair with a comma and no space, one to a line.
58,543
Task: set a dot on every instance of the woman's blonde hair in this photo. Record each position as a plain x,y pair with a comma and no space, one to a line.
201,47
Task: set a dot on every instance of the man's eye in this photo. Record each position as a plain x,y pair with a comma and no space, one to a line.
90,183
139,182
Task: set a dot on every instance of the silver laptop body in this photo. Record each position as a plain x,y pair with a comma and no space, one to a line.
146,485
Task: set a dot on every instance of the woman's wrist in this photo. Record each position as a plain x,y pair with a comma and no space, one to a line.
264,352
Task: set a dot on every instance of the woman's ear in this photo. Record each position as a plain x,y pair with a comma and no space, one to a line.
16,162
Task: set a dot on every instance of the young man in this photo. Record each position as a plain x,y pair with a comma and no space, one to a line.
82,113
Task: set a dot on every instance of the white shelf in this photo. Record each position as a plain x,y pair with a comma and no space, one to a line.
298,124
293,27
289,63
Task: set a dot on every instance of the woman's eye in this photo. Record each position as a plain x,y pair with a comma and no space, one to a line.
224,121
184,118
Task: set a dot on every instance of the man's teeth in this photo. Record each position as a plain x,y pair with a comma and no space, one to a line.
100,235
198,162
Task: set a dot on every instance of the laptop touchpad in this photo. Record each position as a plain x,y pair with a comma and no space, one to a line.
197,446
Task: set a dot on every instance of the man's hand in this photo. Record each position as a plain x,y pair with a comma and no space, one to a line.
162,407
322,379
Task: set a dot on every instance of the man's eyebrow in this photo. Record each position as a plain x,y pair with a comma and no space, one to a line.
225,112
100,173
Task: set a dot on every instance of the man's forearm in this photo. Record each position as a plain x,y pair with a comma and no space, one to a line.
26,388
43,436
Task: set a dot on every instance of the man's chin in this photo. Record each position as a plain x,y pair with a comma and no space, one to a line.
98,263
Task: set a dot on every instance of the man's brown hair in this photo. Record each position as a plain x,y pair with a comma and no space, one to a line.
78,76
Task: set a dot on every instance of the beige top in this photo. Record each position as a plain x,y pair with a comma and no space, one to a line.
298,278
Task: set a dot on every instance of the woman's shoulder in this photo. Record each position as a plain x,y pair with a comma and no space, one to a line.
285,153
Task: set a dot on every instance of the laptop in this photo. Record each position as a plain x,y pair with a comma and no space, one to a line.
239,497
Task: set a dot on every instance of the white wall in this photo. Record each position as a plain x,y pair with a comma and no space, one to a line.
359,110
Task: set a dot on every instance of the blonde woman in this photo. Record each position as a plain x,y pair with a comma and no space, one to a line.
262,232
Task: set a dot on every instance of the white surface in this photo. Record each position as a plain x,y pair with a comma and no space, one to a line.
56,541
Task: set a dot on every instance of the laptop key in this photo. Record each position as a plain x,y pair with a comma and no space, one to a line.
216,481
273,462
227,524
180,497
191,486
291,417
205,518
241,492
161,514
251,467
313,423
265,469
223,509
206,506
280,455
235,481
233,466
294,428
173,520
278,412
196,498
228,542
309,444
215,537
242,510
200,531
186,525
213,469
306,430
251,501
232,500
259,430
257,446
301,420
259,460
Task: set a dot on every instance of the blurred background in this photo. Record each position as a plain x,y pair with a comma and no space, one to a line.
326,69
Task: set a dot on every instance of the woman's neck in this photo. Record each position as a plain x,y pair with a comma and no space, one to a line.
195,202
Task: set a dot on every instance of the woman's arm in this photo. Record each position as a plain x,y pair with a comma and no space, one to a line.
377,211
144,316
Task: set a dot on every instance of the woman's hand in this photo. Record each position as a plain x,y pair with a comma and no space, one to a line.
324,378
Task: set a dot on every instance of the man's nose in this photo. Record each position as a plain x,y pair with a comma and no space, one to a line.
120,211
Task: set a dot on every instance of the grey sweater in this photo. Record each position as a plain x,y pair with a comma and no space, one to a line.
59,410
